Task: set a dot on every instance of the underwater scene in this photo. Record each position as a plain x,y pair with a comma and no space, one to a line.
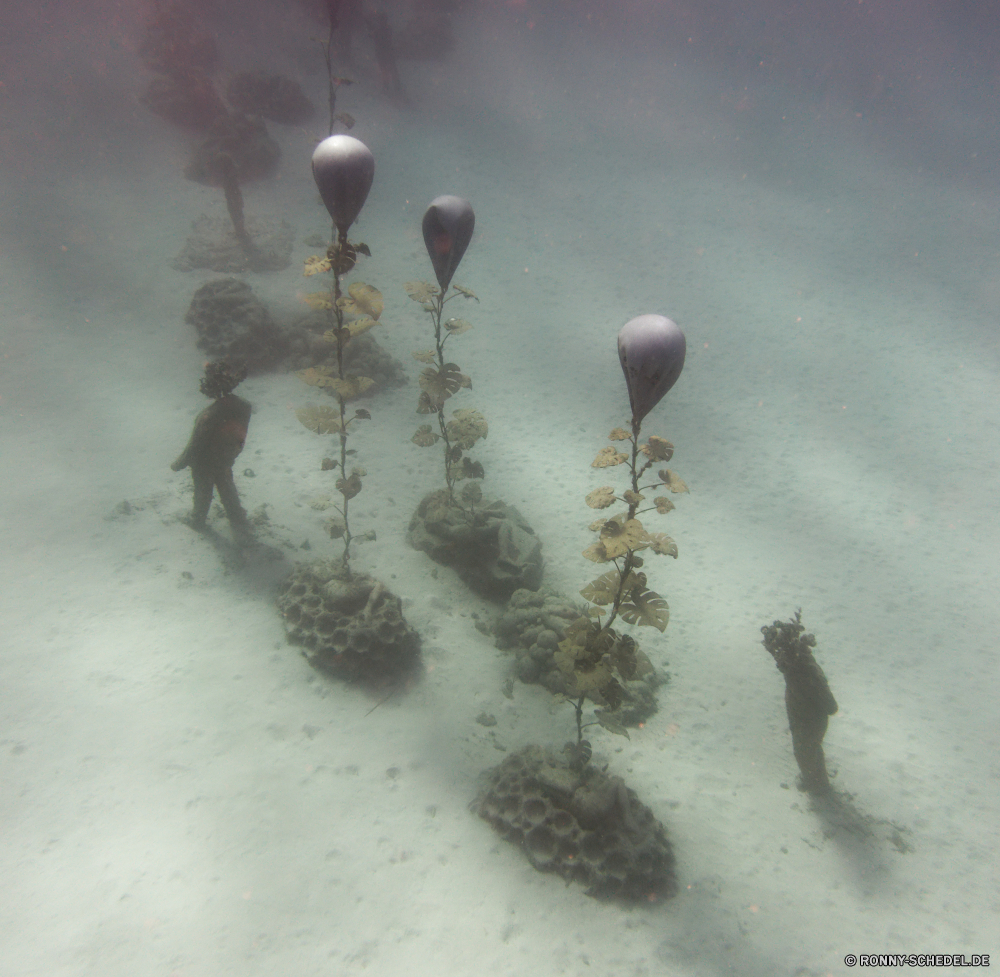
499,487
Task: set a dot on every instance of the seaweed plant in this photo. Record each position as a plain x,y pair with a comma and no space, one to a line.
343,168
334,82
597,660
447,228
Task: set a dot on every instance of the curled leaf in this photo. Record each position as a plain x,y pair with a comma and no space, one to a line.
362,415
619,434
612,725
607,457
350,387
472,494
358,326
597,553
330,336
349,487
597,525
315,376
633,498
608,584
604,589
659,449
439,385
422,292
672,481
663,504
320,420
336,527
468,293
645,608
316,265
345,117
661,543
467,427
620,535
467,469
318,300
362,300
457,326
425,437
601,497
591,679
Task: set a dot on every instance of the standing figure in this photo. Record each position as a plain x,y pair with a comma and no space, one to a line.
219,434
808,699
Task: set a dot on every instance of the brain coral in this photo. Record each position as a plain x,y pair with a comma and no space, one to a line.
351,628
586,826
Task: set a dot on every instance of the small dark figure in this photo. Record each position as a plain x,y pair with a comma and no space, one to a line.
220,431
808,699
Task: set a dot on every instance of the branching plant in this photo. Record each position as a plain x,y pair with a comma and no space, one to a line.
438,382
596,660
334,81
447,227
349,316
343,168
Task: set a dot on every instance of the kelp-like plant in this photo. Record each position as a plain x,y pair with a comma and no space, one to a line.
334,81
447,228
596,660
343,168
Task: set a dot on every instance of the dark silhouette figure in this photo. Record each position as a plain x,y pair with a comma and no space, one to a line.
808,699
220,431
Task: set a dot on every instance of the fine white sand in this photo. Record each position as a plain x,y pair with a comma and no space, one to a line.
183,795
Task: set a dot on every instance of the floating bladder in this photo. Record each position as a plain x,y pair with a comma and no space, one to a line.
651,350
343,168
448,225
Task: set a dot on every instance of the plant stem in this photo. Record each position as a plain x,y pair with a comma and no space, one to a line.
578,705
442,426
628,566
339,314
332,88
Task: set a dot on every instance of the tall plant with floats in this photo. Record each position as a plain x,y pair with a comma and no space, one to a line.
447,226
351,624
343,168
595,659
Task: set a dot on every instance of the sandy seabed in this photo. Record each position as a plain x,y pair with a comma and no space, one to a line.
183,795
